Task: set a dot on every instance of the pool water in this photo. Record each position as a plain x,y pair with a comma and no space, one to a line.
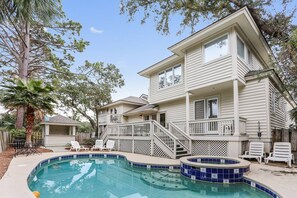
114,178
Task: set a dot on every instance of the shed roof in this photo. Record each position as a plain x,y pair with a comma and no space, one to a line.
148,108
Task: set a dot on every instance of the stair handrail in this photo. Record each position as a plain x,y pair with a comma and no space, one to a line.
186,136
168,134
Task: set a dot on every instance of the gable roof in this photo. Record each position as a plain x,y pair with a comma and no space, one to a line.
128,100
60,120
148,108
241,18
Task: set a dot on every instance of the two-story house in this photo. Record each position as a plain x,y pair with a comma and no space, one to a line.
219,89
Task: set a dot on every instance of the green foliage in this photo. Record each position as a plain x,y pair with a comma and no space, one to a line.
85,127
34,94
7,121
91,88
18,133
89,142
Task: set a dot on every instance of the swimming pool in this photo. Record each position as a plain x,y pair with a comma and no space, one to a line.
113,177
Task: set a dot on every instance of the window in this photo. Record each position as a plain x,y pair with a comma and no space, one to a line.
161,80
273,101
216,49
147,117
177,74
199,109
163,119
170,77
240,48
212,108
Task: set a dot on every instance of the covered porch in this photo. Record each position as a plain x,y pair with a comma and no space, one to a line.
58,130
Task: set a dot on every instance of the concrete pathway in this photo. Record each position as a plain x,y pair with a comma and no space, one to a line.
14,183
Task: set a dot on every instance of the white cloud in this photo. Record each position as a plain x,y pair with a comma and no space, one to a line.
96,31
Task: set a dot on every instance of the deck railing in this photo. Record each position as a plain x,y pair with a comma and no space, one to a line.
183,139
110,118
212,126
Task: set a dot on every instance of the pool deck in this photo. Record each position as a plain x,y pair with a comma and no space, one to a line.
14,183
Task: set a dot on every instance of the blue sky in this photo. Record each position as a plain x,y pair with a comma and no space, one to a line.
129,45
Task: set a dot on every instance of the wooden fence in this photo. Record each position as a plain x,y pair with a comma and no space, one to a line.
80,137
285,135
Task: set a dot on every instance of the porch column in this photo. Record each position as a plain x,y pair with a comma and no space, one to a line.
236,107
187,112
73,130
46,129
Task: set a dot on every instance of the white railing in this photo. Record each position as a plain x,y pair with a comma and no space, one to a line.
110,118
213,126
183,139
166,140
136,129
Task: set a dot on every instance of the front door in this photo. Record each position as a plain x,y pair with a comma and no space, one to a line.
163,119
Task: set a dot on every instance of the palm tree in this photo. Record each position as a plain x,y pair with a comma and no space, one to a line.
35,97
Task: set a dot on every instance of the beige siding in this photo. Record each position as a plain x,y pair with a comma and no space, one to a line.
57,140
135,118
256,63
157,95
277,118
253,107
199,74
242,69
288,120
127,107
175,111
226,108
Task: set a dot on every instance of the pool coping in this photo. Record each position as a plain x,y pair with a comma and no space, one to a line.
21,167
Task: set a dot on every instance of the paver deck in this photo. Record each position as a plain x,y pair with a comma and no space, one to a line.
14,182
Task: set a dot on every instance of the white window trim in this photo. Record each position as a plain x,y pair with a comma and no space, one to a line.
205,114
205,106
219,58
244,48
173,84
211,98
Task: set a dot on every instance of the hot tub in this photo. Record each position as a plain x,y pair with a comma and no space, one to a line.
214,168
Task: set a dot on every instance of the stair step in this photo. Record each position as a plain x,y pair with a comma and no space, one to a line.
182,155
179,149
164,179
181,152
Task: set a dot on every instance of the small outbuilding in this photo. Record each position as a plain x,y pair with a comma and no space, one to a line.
58,130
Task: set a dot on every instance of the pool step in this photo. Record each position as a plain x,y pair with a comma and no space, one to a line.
164,179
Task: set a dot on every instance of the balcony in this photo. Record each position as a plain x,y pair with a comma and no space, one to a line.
213,126
110,118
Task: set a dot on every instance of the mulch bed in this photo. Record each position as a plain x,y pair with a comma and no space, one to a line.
6,157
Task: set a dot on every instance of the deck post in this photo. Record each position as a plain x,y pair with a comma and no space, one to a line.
187,112
152,137
236,107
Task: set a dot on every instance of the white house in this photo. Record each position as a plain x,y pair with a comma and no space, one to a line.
215,93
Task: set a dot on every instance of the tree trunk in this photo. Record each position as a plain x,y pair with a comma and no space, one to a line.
29,125
23,69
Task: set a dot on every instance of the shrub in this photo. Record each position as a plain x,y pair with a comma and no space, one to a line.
18,133
90,141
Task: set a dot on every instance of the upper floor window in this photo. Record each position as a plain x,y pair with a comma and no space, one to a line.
170,77
216,48
240,48
250,58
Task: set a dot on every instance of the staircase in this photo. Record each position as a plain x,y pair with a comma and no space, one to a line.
164,179
181,152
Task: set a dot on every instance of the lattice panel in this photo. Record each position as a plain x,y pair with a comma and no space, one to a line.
212,148
244,146
142,147
158,152
125,145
